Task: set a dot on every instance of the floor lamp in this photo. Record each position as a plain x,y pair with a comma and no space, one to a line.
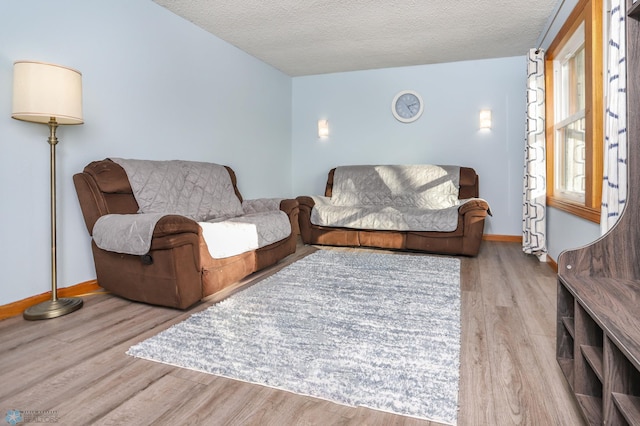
48,94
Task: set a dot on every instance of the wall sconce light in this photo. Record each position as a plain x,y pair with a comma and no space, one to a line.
485,119
52,95
323,128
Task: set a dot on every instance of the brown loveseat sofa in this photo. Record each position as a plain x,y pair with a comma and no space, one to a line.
178,269
407,186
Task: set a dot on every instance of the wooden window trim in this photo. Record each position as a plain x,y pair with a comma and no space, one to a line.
590,12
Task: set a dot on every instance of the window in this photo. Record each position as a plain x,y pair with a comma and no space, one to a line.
569,118
574,111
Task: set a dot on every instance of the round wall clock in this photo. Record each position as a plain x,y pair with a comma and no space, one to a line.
407,106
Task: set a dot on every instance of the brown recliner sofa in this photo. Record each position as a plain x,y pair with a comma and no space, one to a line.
464,240
178,270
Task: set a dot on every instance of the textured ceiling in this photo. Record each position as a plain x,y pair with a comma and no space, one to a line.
309,37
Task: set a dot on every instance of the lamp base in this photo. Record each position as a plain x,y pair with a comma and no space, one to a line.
52,308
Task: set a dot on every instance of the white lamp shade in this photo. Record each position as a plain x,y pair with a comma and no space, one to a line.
42,91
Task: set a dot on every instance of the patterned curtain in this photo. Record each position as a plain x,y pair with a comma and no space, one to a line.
614,188
534,211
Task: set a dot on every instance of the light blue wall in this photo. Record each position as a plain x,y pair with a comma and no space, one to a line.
565,231
363,130
155,87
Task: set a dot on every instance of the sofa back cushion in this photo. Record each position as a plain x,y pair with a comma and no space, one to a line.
200,191
423,186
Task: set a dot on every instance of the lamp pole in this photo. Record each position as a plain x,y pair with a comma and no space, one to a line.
49,94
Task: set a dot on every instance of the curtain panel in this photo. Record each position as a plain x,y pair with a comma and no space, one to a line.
534,211
614,187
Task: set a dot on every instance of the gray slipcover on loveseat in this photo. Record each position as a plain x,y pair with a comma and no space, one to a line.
409,207
172,232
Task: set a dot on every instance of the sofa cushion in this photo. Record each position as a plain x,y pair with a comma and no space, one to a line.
421,186
226,238
259,205
200,191
384,218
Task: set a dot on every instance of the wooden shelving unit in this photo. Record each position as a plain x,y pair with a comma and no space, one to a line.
600,357
598,318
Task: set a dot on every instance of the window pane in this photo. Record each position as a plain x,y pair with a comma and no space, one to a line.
572,85
570,160
569,67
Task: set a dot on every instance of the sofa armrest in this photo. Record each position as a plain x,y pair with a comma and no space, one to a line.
306,201
134,233
305,205
289,206
475,204
175,224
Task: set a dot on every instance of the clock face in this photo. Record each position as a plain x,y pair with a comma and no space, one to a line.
407,106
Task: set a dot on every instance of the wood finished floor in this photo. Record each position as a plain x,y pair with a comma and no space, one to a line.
76,365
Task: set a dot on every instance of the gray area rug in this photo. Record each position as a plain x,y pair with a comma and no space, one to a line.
361,329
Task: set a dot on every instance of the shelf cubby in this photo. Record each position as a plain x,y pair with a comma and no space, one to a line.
569,325
634,9
591,408
593,355
629,407
565,333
